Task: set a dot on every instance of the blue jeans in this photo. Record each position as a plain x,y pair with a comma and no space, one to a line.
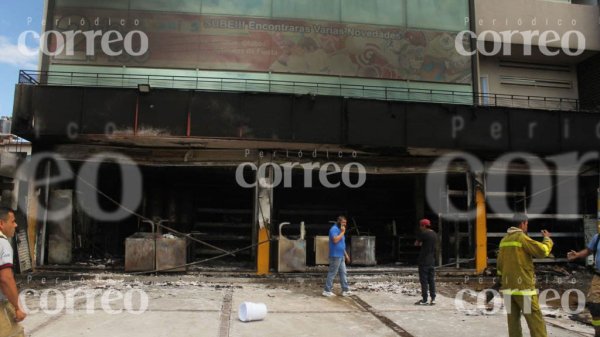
336,265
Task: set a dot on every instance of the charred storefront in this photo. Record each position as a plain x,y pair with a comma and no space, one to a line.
227,165
215,122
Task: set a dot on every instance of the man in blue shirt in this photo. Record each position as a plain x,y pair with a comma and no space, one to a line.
337,257
593,297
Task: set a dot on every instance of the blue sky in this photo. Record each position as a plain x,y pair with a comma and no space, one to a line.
16,17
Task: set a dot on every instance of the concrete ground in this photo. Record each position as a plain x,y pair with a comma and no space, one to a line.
208,306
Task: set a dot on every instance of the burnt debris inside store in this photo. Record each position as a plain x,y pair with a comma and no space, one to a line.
207,202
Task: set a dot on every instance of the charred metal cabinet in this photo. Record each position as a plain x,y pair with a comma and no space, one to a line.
140,250
149,251
321,250
291,253
363,250
171,252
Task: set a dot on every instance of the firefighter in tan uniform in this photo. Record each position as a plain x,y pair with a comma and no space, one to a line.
515,267
10,311
593,297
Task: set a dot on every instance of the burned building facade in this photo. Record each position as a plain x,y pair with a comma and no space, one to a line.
222,119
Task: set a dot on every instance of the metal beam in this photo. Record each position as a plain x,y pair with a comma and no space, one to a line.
538,216
561,260
539,235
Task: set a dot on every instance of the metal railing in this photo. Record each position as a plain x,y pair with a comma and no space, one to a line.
57,78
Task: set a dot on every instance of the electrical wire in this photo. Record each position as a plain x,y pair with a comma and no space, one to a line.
555,185
158,224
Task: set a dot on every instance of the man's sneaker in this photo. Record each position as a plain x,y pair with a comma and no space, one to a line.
432,301
421,302
347,293
489,296
328,294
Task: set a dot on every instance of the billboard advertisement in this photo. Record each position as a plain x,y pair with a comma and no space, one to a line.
235,43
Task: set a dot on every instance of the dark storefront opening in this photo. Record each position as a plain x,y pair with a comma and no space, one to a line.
208,203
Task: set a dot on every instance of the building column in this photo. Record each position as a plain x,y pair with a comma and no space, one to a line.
263,207
480,227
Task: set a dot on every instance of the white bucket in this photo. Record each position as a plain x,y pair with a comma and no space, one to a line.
252,311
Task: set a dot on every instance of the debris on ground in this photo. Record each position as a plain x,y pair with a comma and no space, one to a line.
408,288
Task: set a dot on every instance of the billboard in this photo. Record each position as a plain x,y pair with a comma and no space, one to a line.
292,46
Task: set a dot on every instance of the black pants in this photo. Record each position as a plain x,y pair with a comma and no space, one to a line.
427,279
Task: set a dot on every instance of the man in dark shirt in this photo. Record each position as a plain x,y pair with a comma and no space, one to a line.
427,240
